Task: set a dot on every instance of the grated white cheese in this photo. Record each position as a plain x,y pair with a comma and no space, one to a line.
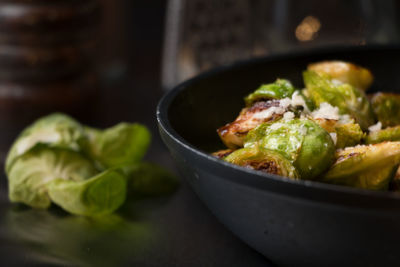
336,82
326,111
285,102
334,137
375,127
267,113
276,126
288,115
298,100
303,130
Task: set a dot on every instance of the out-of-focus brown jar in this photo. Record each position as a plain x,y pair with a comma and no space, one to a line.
47,61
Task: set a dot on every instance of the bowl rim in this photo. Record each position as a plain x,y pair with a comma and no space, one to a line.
335,194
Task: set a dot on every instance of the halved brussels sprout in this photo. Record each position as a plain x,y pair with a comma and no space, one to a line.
222,153
281,88
302,141
98,195
30,174
346,134
345,72
265,160
387,108
368,166
347,98
120,145
55,130
388,134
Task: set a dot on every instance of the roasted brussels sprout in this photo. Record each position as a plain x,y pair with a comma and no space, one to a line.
365,166
265,160
98,195
343,134
347,98
222,153
387,108
122,144
345,72
233,134
30,174
279,89
56,130
388,134
302,141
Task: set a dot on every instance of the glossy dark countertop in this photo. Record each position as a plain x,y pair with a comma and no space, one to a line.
177,230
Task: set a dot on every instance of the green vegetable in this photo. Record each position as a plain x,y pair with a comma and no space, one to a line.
279,89
347,98
265,160
302,141
387,108
120,145
148,179
99,195
347,134
368,167
55,130
30,174
388,134
345,72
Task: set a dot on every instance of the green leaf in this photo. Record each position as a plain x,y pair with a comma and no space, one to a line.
150,179
31,173
123,144
55,130
99,195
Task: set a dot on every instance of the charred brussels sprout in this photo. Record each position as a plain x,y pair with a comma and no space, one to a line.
345,134
368,167
345,72
56,130
263,160
388,134
387,108
347,98
30,174
279,89
302,141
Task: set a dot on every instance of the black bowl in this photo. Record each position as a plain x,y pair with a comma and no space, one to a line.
294,223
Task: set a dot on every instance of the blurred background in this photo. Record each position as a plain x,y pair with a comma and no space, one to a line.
107,61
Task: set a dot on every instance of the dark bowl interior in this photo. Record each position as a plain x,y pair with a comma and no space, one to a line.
290,222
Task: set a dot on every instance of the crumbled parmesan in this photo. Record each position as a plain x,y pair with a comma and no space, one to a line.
375,127
288,115
334,137
336,82
303,130
276,126
298,100
285,102
326,111
267,113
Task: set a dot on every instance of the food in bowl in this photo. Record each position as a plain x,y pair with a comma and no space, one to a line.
330,131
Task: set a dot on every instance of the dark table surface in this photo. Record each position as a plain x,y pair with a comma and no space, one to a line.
176,230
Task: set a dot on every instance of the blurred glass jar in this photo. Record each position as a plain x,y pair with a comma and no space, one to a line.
201,34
